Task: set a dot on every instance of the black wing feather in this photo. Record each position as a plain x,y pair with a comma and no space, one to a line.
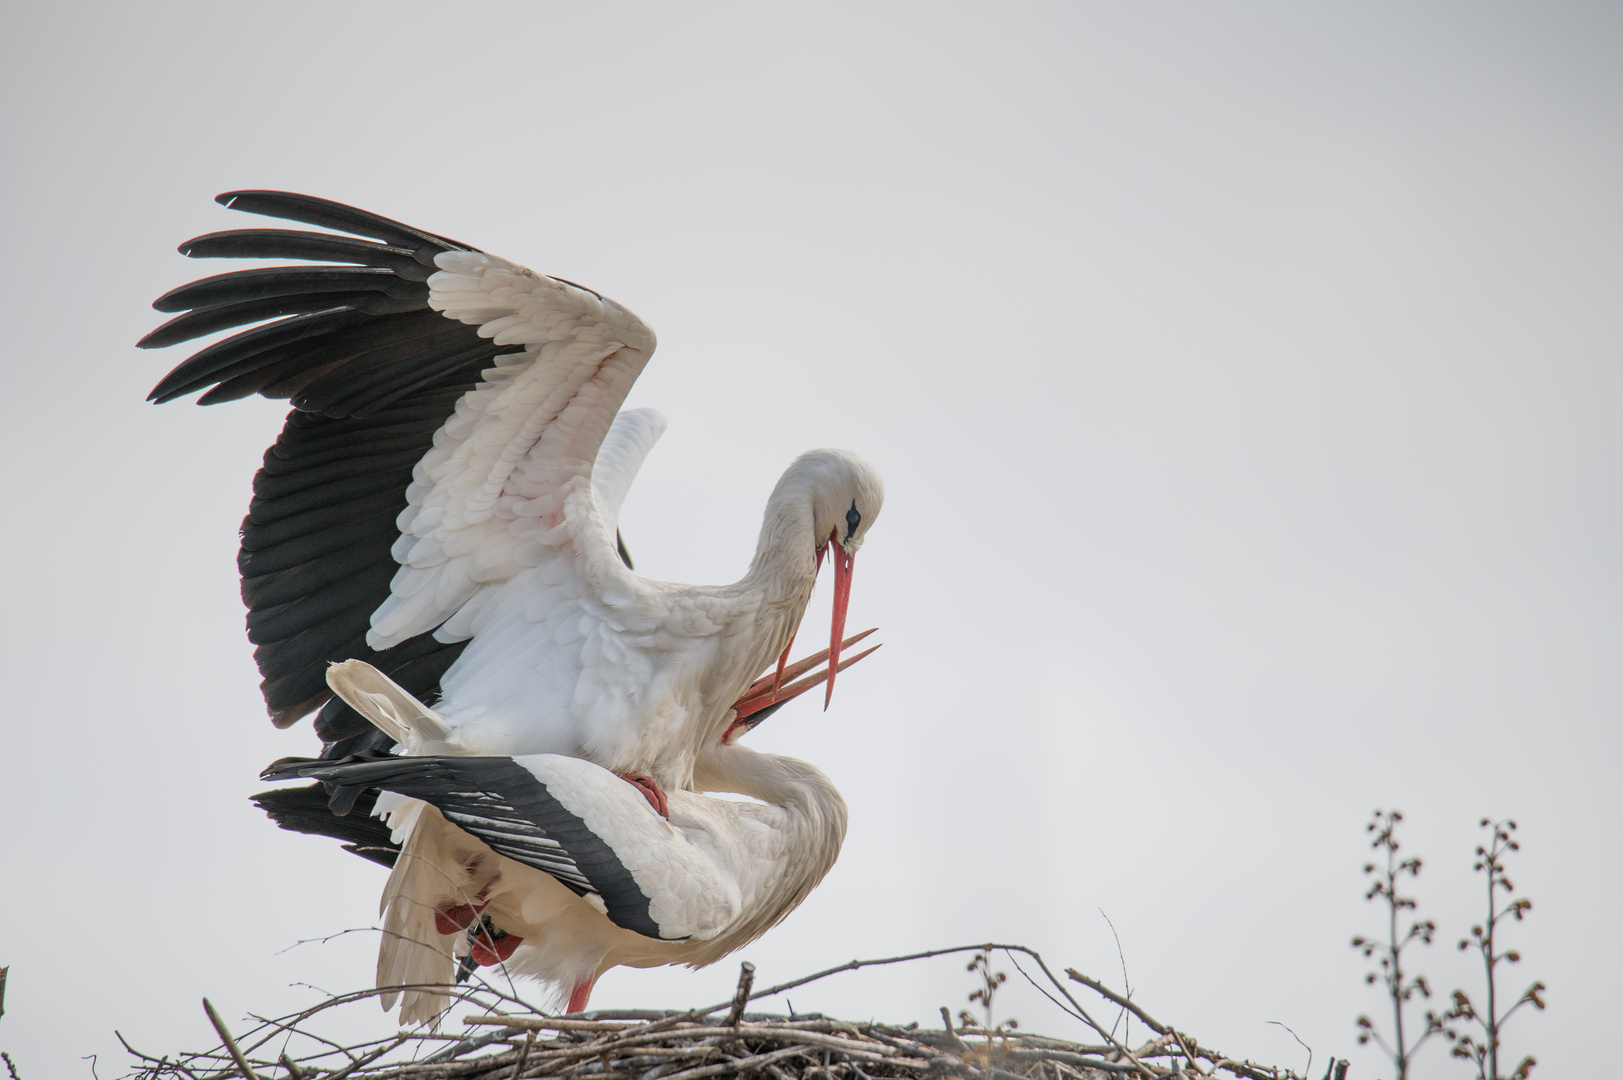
305,809
286,339
275,282
275,481
291,206
271,622
291,554
209,320
308,578
297,244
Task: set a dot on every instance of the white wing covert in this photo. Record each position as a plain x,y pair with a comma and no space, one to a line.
507,486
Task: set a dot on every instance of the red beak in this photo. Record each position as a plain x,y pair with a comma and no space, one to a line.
843,563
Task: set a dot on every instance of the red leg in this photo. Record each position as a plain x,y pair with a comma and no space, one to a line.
578,995
651,791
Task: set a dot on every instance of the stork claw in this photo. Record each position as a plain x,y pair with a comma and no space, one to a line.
488,945
451,918
650,790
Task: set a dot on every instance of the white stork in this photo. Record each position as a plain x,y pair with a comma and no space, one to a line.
442,504
553,867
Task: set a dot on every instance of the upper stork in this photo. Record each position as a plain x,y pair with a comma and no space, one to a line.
442,502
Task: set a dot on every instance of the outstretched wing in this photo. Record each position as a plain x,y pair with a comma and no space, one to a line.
447,409
565,817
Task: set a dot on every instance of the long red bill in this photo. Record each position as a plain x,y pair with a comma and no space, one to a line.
783,658
843,563
749,706
769,689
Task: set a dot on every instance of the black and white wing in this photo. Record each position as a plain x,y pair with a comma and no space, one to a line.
585,827
442,440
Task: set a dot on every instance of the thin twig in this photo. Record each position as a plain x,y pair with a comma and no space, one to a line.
1309,1069
1127,984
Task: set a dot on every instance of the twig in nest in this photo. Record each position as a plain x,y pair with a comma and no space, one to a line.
741,997
1127,984
524,1056
546,1023
720,1043
368,1059
1299,1042
1110,995
946,1022
230,1043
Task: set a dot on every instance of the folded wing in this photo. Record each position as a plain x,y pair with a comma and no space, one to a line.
579,824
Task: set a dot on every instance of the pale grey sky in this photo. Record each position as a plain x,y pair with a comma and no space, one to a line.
1245,379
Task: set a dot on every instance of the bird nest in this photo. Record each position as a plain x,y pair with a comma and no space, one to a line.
504,1038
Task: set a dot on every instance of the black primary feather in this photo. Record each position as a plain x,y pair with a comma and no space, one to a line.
298,244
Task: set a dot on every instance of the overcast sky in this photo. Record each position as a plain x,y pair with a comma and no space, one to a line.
1245,379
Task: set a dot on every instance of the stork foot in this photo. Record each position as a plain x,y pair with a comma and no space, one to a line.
651,791
449,918
490,945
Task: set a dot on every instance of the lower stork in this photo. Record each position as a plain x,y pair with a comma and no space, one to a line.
555,868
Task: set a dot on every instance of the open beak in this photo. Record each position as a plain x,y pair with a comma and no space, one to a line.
843,563
770,691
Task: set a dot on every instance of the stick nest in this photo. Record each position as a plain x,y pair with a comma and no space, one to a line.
504,1038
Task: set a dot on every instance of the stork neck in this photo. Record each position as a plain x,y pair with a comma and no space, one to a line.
785,563
782,781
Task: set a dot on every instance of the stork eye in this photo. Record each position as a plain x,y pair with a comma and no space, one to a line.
852,520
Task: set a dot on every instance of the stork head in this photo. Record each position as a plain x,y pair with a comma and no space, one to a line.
846,495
